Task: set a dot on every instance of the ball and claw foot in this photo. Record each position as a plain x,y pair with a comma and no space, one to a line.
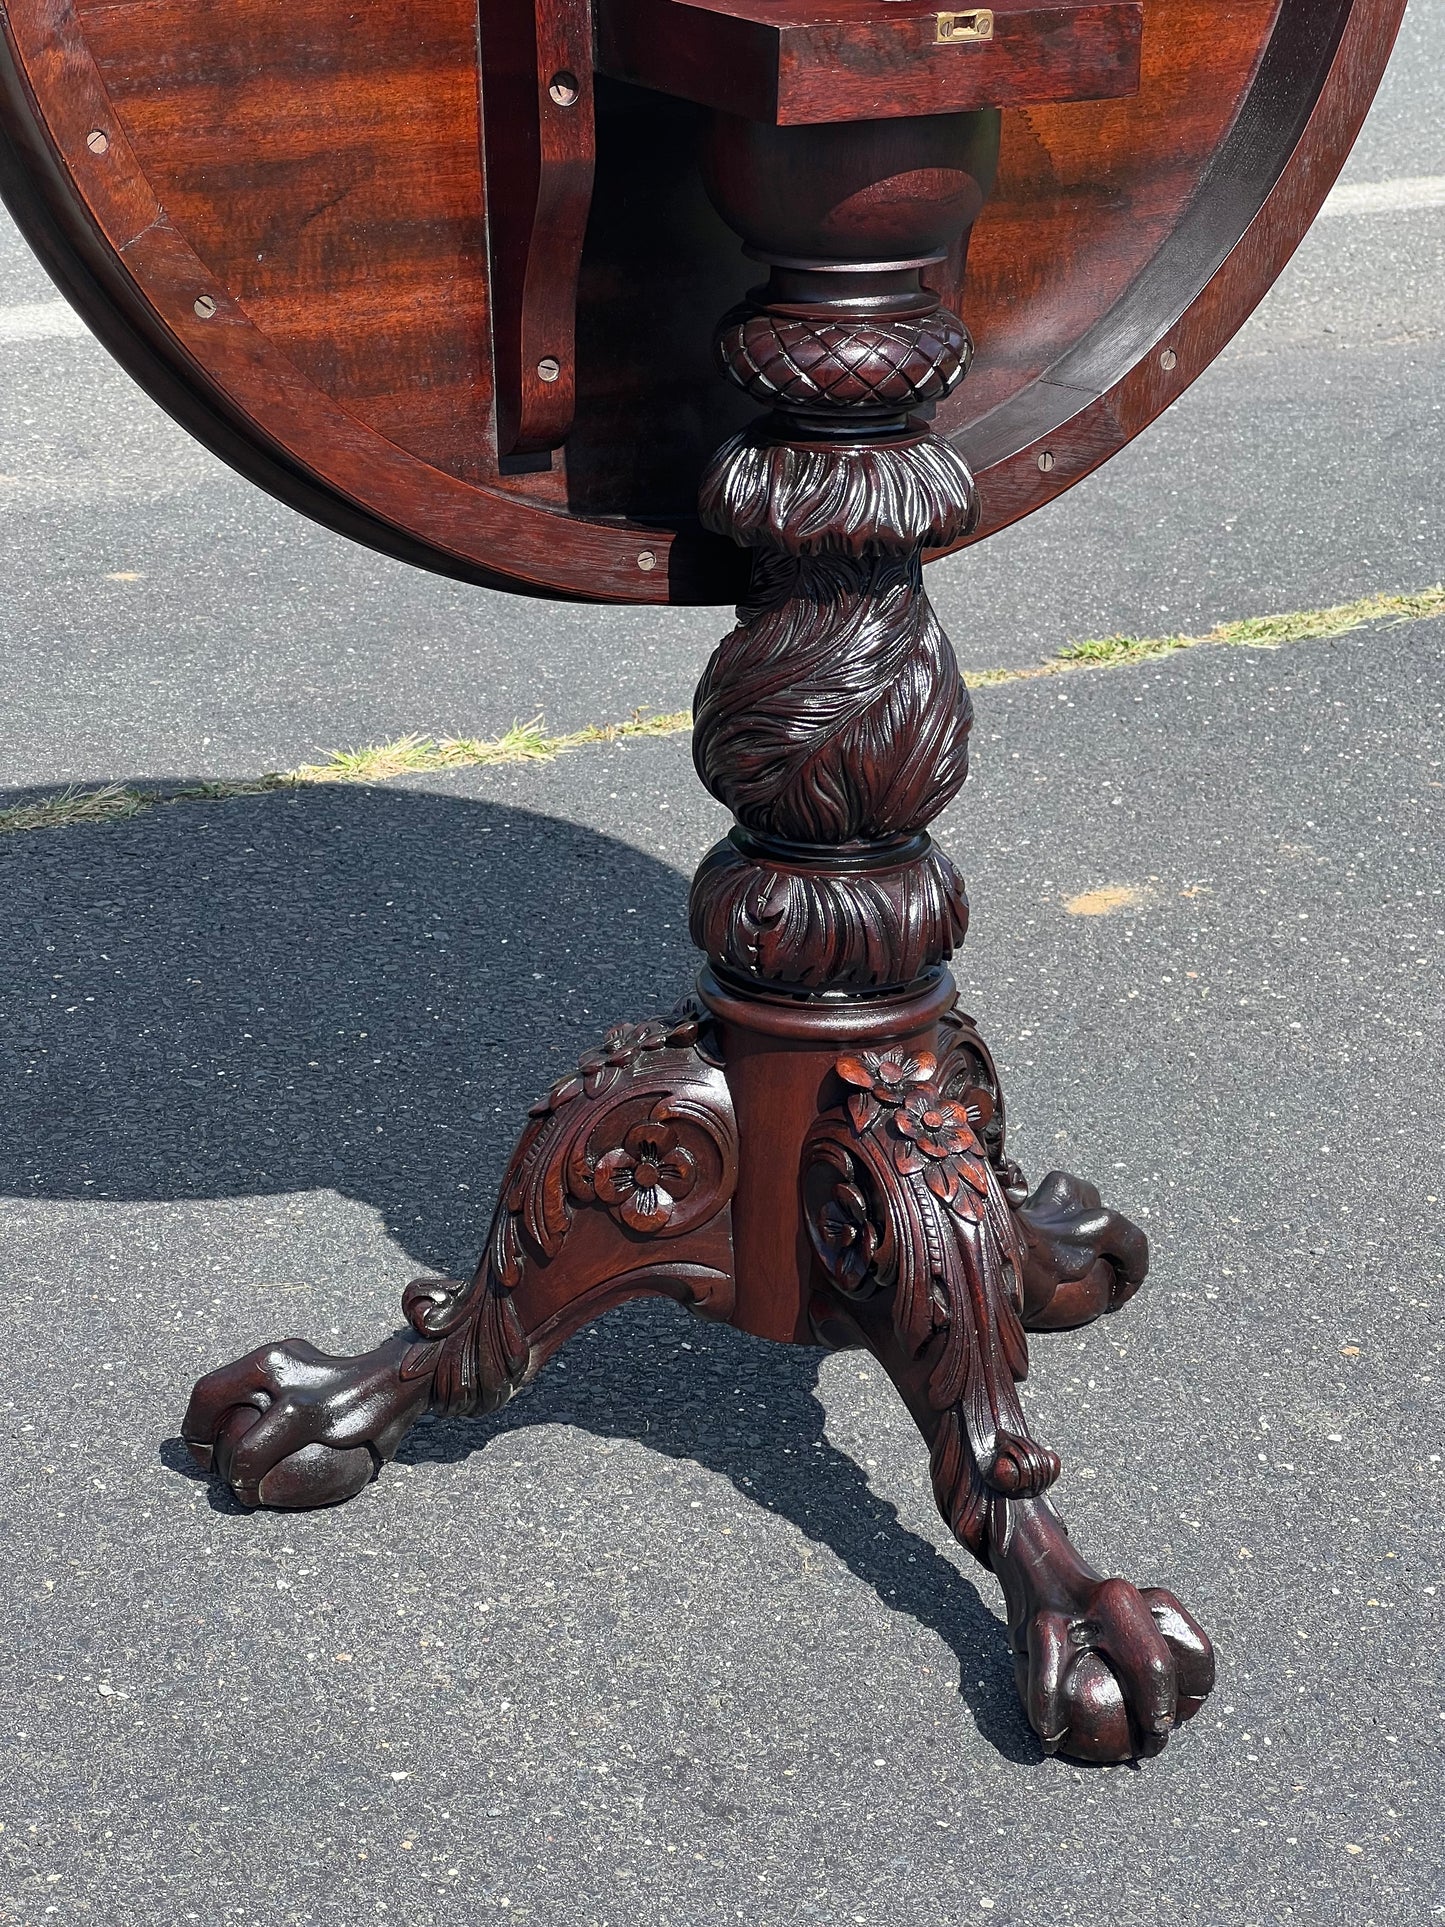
1105,1671
1080,1258
293,1427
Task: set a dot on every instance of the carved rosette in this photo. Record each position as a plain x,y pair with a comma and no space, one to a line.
900,1198
642,1134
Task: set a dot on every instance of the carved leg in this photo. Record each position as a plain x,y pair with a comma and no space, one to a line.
926,1265
621,1185
1080,1259
834,723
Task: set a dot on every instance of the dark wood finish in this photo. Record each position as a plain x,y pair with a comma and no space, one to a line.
349,368
536,70
327,179
797,62
815,1149
621,1185
855,193
359,267
669,1164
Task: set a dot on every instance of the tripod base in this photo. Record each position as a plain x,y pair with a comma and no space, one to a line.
811,1172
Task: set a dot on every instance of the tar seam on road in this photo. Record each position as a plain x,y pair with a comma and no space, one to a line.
528,742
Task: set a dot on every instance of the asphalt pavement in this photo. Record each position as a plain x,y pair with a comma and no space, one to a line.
266,1058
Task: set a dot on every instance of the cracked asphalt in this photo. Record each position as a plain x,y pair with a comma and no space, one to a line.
678,1638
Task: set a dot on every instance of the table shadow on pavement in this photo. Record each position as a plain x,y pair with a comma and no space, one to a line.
363,989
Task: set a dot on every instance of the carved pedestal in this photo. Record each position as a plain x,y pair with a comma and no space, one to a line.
813,1149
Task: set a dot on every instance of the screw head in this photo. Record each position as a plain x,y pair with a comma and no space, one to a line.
564,89
205,306
549,369
1046,460
1168,359
97,140
647,560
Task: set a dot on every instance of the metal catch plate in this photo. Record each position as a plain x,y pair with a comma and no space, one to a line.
952,27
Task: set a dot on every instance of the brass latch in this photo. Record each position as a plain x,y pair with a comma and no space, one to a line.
964,26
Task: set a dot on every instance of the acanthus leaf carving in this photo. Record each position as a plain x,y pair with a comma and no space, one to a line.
771,920
900,1197
642,1132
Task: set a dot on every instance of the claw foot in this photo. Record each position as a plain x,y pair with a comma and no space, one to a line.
292,1427
1080,1258
1105,1671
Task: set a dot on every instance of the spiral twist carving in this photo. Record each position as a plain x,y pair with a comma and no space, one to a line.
833,721
835,711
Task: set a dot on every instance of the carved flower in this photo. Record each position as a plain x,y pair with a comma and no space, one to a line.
979,1104
600,1068
642,1180
623,1042
888,1075
848,1238
936,1137
882,1077
937,1126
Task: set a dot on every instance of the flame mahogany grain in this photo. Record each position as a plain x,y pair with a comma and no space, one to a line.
325,186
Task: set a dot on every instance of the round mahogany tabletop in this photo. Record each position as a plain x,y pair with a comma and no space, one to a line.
277,222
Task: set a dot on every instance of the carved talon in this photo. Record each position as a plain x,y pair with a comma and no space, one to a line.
1080,1258
621,1184
1105,1671
292,1427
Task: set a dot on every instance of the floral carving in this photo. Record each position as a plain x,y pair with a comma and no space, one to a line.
844,1232
936,1127
929,1133
599,1069
900,1197
937,1141
642,1130
643,1179
887,1076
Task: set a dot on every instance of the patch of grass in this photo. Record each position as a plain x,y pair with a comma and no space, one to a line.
529,742
72,806
113,802
225,787
1257,632
377,763
522,743
674,722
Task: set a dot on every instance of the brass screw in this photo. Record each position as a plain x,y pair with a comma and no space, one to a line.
647,560
549,369
205,306
97,140
564,89
1168,359
1046,460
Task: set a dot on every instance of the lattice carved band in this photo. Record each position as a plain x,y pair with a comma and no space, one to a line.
895,363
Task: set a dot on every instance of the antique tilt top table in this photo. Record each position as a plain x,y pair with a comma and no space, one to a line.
448,280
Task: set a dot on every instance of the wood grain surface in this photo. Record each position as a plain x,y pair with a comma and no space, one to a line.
319,190
800,62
